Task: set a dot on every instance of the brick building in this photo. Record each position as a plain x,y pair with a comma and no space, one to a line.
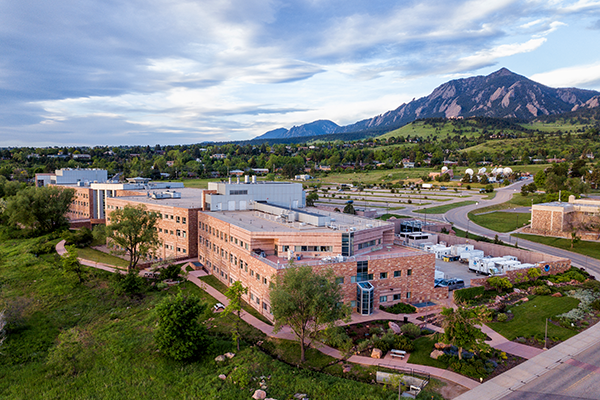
178,219
256,244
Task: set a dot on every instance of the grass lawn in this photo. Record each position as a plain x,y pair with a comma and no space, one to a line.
101,257
590,249
445,208
423,348
501,221
221,287
530,318
385,217
110,352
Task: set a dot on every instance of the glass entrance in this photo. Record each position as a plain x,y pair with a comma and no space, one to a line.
364,298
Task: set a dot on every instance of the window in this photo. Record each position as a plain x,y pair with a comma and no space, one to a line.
397,274
234,192
383,299
183,250
178,219
339,280
258,277
264,305
241,243
160,230
183,233
409,272
178,232
251,296
246,246
408,295
171,217
264,281
251,272
383,275
171,232
367,244
397,296
184,220
285,248
353,304
257,300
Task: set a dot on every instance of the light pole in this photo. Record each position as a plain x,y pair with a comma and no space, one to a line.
516,237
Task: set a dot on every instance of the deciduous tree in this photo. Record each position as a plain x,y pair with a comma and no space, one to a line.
133,229
460,330
308,302
71,264
41,209
234,293
180,334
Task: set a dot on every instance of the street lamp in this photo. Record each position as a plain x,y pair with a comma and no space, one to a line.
468,220
517,237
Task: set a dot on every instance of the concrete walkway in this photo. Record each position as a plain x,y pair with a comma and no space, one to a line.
286,333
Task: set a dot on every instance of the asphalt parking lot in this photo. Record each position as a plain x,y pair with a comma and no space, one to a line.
455,269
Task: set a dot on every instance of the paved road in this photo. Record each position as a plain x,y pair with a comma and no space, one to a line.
575,378
458,216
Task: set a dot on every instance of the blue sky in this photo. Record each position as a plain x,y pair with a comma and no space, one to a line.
82,72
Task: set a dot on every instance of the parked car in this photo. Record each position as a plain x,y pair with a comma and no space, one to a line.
451,284
217,307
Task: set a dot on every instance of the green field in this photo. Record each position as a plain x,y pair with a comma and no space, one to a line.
445,208
530,318
501,221
106,349
586,248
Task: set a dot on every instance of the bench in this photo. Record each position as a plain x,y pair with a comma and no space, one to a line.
398,353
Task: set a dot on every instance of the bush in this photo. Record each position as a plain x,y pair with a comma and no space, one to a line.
403,343
80,238
542,290
499,283
502,317
171,271
595,305
474,368
468,293
410,330
399,308
130,283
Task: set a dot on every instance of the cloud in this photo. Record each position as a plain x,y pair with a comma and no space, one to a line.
163,70
577,76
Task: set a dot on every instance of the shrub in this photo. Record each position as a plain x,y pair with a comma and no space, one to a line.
399,308
403,343
533,273
171,271
595,305
410,330
502,317
468,293
542,290
499,283
130,283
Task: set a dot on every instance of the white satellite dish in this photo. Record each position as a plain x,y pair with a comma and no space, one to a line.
482,171
500,171
494,171
444,169
469,171
508,171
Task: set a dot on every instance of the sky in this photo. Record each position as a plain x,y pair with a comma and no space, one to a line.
146,72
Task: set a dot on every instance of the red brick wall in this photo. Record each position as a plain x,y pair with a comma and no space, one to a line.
184,245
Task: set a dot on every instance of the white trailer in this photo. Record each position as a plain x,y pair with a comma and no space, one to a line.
461,248
485,266
440,251
468,255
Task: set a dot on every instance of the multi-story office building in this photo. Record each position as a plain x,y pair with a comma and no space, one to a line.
255,242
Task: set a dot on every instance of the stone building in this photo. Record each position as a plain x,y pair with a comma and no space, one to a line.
256,244
559,218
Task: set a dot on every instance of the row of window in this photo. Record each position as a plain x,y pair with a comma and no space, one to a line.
80,203
395,297
363,276
177,219
179,249
308,248
177,232
369,244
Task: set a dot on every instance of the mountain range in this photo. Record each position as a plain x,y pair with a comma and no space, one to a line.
502,94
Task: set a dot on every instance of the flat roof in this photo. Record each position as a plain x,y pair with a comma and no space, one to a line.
259,221
190,198
380,253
